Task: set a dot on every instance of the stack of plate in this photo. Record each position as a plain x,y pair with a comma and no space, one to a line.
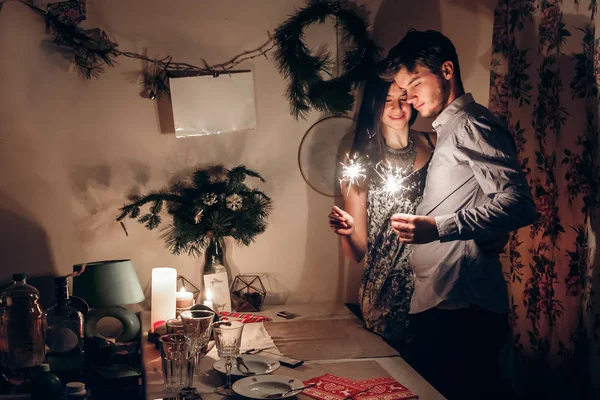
258,384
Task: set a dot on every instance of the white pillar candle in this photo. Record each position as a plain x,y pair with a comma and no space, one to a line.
164,288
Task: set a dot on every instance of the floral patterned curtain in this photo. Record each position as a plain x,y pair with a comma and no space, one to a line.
544,81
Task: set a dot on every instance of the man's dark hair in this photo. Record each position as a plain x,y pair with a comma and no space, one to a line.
428,48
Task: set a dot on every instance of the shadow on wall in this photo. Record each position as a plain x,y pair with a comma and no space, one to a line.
25,248
476,12
394,18
164,112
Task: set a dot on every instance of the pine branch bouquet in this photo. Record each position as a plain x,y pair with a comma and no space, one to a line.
214,203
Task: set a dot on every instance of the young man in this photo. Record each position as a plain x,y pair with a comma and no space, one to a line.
475,193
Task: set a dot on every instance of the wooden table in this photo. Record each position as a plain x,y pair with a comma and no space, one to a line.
363,368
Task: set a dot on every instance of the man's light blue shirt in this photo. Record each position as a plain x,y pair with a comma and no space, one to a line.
477,192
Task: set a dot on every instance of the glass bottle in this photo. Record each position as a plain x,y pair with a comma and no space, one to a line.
214,258
45,385
64,335
22,330
217,276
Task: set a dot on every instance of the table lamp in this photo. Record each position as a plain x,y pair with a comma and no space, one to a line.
107,286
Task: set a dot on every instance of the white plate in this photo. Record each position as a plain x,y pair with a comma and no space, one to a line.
258,387
260,365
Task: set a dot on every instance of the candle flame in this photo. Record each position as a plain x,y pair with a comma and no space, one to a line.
182,290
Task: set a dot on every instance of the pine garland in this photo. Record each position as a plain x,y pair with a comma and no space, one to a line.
306,89
215,202
93,51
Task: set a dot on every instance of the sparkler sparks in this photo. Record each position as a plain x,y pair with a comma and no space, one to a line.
392,178
353,172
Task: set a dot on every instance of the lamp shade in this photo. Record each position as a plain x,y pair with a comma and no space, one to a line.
108,283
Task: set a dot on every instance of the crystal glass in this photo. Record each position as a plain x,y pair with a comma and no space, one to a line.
174,325
228,337
197,327
177,362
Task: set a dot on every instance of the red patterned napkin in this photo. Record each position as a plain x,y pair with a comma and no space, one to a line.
332,387
246,318
385,388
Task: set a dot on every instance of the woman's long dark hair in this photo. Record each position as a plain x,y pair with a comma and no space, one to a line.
368,139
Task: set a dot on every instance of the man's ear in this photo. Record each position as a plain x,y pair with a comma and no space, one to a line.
448,70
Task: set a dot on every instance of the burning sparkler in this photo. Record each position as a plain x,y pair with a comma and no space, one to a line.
353,172
392,178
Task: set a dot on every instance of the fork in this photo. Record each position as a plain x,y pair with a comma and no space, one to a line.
280,395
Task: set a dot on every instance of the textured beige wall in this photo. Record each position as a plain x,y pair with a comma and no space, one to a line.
71,149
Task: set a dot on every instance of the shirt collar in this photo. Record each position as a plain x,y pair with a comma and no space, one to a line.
458,104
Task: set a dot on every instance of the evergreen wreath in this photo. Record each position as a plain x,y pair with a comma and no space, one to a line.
306,88
214,203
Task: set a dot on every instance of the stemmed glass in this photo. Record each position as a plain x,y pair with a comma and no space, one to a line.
228,337
197,327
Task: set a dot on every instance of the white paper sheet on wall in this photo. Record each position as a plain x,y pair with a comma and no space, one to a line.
205,105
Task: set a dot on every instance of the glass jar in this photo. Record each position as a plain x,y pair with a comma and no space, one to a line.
22,330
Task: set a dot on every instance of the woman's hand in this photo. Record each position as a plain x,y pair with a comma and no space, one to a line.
341,222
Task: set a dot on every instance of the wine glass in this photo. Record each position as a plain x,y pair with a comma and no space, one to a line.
197,327
228,337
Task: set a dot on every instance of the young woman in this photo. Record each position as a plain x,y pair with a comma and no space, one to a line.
383,136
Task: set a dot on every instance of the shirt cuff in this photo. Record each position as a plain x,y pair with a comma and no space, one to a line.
447,227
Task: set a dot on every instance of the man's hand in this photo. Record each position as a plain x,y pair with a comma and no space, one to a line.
416,229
